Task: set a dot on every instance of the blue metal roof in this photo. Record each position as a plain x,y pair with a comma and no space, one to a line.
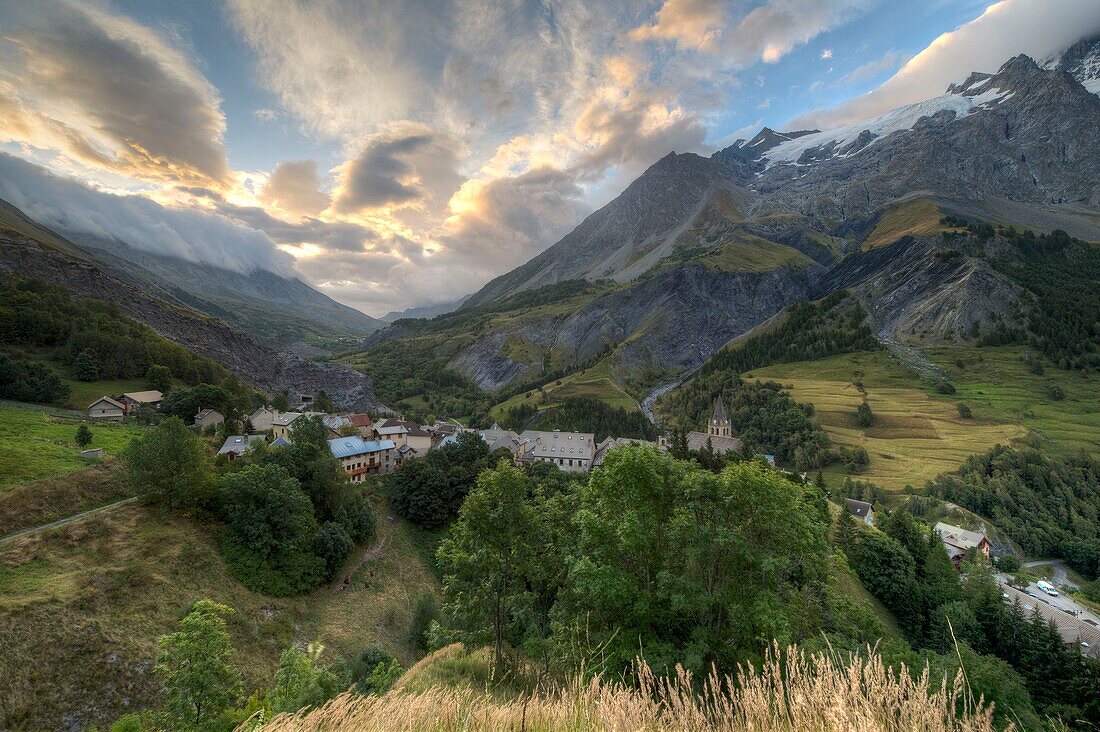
345,447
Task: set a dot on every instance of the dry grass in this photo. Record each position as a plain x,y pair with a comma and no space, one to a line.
792,691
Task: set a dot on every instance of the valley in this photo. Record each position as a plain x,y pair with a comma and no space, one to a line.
781,432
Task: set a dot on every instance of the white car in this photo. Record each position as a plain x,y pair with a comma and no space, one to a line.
1047,588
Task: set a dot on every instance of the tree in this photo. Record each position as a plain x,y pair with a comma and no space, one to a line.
323,403
375,671
485,556
964,410
194,662
864,416
169,465
280,402
83,436
270,529
887,571
844,531
332,544
302,681
424,614
87,366
159,378
429,491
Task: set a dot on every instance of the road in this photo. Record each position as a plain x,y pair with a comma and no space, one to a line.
1066,612
67,520
1058,567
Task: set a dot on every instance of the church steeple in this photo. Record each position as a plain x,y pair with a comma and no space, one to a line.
719,423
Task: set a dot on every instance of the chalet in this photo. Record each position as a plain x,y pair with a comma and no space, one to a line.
404,433
610,443
570,451
262,418
861,510
106,408
958,541
363,424
334,423
281,425
237,445
134,400
361,458
208,418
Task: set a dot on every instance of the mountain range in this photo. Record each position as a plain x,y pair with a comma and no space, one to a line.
699,250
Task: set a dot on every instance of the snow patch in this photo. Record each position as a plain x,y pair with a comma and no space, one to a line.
902,118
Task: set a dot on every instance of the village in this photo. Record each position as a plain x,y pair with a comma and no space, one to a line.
367,447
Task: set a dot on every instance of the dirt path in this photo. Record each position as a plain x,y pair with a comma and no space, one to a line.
370,555
67,520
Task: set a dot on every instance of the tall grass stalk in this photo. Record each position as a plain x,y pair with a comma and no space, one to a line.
791,691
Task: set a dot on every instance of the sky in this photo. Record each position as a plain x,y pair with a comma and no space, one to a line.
403,153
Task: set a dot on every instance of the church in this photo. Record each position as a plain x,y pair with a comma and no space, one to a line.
719,432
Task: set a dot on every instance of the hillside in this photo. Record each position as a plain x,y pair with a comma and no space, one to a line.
81,609
279,309
35,253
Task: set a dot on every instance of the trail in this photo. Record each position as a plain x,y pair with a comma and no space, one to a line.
67,520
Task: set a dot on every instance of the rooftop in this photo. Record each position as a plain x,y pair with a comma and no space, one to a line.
345,447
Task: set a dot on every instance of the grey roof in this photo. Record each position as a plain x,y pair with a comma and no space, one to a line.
280,442
144,397
575,445
345,447
284,419
960,537
239,444
610,443
109,400
858,508
721,445
719,414
206,412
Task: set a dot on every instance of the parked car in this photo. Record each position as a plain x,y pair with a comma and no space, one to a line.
1047,588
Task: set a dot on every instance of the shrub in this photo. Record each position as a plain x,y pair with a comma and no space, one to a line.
964,410
424,614
945,387
332,544
864,416
1056,393
375,671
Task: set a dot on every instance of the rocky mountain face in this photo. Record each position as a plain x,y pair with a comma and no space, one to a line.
279,309
1018,146
249,359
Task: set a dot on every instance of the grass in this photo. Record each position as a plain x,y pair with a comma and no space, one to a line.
914,217
36,444
83,393
790,691
81,608
38,503
917,432
749,253
596,382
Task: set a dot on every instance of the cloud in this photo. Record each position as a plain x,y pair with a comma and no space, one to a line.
1037,28
188,233
507,220
766,33
112,94
386,172
826,54
295,188
766,103
889,61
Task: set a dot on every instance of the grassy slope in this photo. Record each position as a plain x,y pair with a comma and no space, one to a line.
81,609
36,443
749,253
913,217
595,383
918,433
